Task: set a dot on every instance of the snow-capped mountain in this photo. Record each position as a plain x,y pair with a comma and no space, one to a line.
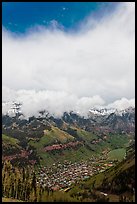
102,111
108,111
13,108
98,118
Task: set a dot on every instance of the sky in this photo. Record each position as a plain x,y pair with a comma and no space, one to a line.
21,16
68,56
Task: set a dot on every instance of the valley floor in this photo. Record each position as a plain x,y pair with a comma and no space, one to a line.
11,200
62,175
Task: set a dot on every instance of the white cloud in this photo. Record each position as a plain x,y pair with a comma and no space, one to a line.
54,102
57,102
84,104
70,70
122,104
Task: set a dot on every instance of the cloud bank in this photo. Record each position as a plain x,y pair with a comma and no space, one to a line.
59,71
56,103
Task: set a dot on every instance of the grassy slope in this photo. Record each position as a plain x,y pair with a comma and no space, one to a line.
82,152
119,140
10,145
50,137
117,154
9,140
59,136
87,136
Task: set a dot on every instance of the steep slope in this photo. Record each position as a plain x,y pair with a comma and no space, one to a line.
10,145
115,184
47,138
